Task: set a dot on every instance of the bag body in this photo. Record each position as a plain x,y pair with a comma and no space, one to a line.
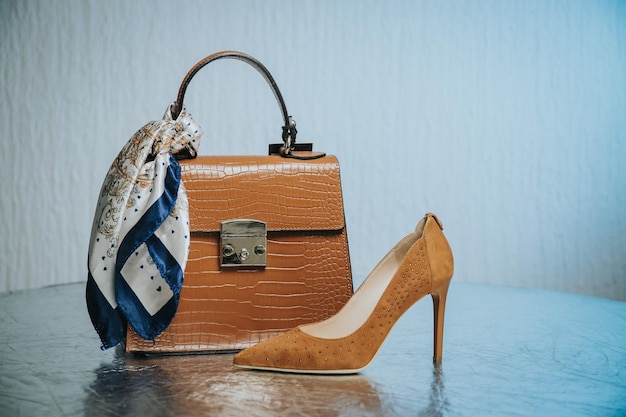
268,247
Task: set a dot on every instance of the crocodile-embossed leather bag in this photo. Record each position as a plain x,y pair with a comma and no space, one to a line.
268,245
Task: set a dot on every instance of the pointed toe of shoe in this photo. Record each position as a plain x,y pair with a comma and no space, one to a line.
271,354
249,358
264,355
242,359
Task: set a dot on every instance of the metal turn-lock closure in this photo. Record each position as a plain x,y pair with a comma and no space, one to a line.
243,243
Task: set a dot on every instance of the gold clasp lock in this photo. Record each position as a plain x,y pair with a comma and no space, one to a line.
243,243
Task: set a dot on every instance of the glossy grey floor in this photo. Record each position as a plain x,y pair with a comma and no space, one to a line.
507,352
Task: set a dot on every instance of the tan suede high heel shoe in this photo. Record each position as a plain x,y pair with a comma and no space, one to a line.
420,264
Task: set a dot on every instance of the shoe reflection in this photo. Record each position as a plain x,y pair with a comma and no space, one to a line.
438,405
158,386
210,385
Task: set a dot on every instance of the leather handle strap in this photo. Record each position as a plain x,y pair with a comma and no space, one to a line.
289,129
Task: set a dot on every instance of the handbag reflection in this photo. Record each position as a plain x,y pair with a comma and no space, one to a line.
215,253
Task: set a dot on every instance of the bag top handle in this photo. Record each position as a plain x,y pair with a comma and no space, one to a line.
289,129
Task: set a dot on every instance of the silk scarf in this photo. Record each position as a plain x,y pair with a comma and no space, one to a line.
140,235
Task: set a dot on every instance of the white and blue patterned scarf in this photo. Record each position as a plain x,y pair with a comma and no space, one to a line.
140,234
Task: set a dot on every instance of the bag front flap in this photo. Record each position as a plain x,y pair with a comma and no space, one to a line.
287,194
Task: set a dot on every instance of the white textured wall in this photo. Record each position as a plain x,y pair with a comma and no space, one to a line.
507,118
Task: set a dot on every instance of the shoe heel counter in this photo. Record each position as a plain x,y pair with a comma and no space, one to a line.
439,252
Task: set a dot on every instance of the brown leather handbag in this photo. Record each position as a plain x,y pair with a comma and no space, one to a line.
269,249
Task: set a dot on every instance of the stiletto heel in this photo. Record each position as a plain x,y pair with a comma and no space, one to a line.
439,309
347,342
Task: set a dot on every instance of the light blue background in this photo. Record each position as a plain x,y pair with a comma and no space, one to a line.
506,118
